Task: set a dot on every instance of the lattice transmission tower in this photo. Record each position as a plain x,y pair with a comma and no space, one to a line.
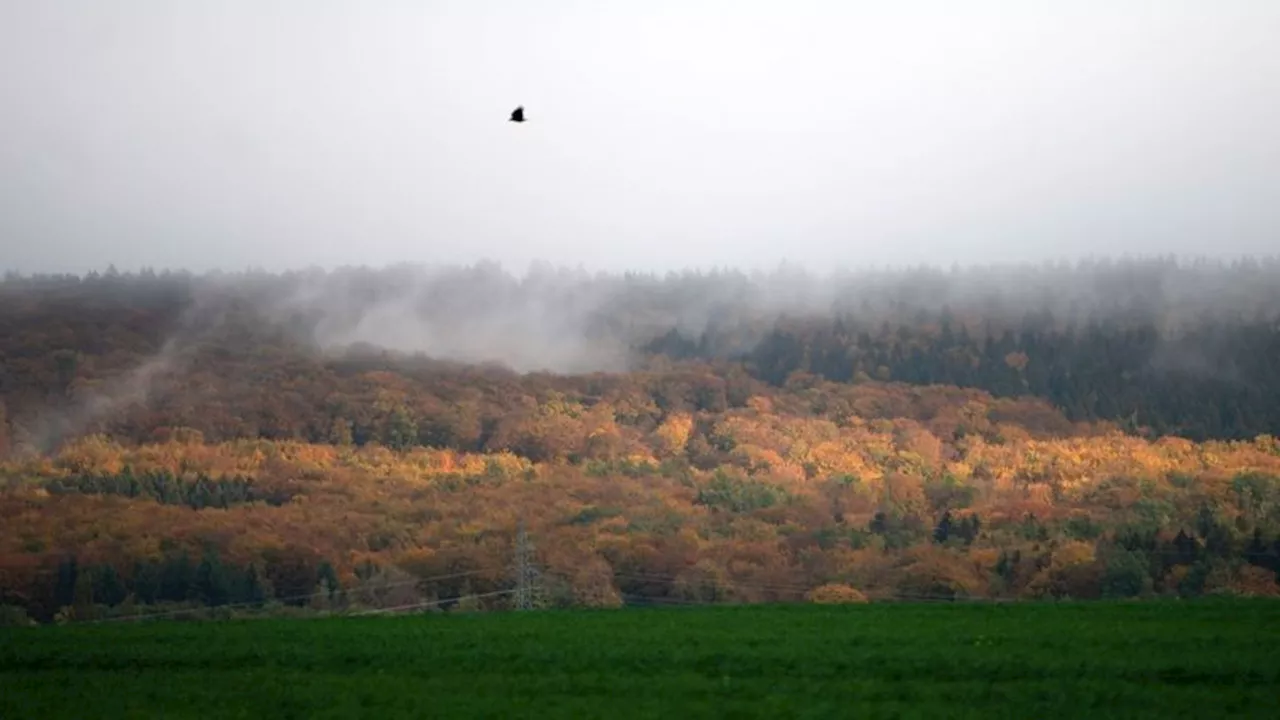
526,572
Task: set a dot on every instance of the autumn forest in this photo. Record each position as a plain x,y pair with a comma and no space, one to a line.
357,439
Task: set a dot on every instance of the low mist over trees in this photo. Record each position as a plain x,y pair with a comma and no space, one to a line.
1173,348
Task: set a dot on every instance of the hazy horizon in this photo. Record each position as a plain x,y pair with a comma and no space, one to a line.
661,137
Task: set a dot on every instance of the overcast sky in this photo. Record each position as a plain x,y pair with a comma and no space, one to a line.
285,133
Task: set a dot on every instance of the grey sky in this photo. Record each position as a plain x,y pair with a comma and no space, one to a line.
661,134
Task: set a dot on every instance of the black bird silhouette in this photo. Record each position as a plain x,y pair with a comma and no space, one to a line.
517,115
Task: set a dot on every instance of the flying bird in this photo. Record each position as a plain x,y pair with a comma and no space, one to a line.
517,115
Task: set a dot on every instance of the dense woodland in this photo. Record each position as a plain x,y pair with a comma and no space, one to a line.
373,438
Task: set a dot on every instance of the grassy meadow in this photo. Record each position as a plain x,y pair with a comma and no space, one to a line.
1205,658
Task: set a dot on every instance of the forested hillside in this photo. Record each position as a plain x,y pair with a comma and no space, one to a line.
374,438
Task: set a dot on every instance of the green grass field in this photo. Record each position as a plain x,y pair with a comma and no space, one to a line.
1153,660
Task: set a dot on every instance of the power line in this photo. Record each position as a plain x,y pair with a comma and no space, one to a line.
431,603
292,598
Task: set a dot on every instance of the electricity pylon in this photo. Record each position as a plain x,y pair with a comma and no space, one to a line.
525,571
